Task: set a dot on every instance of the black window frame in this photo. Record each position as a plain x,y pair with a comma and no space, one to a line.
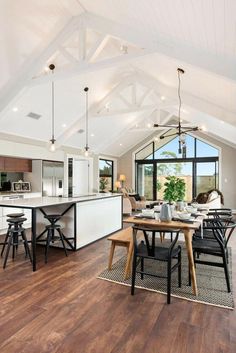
108,175
194,160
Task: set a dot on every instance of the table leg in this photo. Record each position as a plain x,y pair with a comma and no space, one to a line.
111,255
129,259
33,238
188,241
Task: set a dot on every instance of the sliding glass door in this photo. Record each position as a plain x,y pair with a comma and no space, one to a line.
144,180
184,170
206,176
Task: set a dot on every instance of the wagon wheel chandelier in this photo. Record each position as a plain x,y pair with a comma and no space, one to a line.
181,130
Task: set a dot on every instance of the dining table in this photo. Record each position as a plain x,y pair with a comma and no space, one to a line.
187,228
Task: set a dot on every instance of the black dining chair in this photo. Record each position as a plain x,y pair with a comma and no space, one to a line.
216,245
148,250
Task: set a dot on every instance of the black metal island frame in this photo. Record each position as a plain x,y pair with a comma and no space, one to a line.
85,218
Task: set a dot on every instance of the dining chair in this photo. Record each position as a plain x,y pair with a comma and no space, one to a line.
220,230
148,249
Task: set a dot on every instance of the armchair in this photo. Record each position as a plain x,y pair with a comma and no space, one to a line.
137,202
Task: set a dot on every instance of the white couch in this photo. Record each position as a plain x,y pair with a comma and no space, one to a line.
214,201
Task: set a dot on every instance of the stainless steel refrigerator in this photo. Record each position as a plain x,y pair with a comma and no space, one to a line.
53,178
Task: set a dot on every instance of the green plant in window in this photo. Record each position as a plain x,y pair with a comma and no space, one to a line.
174,189
103,183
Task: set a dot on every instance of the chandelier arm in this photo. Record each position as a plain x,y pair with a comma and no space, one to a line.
171,126
164,136
189,129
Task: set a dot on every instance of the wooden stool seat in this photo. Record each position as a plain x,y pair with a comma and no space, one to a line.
122,238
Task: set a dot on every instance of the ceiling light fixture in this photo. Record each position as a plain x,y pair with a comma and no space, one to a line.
52,141
180,129
15,109
86,148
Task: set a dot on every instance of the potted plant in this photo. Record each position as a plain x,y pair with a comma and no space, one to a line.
174,189
103,184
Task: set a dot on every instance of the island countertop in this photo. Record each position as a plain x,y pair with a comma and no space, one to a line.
44,201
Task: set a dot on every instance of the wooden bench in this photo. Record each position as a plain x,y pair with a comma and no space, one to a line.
122,238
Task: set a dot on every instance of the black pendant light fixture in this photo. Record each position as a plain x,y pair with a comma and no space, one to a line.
53,140
180,129
86,148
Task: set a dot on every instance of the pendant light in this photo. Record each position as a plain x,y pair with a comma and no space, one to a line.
86,148
180,129
52,141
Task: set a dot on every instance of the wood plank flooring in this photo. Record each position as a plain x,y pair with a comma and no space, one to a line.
63,308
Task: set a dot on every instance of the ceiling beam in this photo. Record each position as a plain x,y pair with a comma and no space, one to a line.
97,47
220,65
116,135
36,62
86,67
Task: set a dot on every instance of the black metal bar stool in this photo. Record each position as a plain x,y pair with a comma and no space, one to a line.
51,237
16,230
10,215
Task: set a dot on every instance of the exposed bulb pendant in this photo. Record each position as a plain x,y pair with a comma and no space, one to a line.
86,148
53,140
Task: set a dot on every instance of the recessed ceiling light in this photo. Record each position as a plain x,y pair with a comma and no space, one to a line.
46,69
149,125
15,109
203,128
163,98
92,135
64,125
156,138
120,144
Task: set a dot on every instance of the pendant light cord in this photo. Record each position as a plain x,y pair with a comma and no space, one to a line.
180,101
87,119
53,109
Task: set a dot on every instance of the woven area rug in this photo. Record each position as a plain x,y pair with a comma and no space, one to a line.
210,280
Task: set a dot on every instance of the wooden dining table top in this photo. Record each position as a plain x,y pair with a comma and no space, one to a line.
153,222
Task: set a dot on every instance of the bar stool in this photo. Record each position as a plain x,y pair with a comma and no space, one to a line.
16,230
51,237
10,215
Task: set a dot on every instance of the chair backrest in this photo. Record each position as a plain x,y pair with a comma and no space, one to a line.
150,235
222,229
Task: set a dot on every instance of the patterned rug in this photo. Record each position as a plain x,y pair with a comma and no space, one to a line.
210,280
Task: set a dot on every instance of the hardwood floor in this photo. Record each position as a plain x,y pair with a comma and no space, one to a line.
63,308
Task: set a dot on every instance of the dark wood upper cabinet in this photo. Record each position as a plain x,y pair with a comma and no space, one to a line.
1,163
9,164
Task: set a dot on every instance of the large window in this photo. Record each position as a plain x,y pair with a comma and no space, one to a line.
158,160
105,175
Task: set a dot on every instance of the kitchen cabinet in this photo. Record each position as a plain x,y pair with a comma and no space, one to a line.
10,164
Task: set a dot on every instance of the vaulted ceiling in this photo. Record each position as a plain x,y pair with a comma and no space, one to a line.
127,53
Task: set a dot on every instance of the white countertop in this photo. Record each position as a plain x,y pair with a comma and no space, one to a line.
40,202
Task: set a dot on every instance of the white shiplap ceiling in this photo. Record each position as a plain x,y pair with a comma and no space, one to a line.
197,35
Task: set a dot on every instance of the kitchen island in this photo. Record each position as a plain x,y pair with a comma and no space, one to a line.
85,219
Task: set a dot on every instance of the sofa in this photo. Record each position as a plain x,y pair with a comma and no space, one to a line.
210,199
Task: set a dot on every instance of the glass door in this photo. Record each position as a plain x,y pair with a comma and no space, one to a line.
183,170
144,180
207,176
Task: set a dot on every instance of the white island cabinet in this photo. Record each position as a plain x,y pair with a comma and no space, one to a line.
84,219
